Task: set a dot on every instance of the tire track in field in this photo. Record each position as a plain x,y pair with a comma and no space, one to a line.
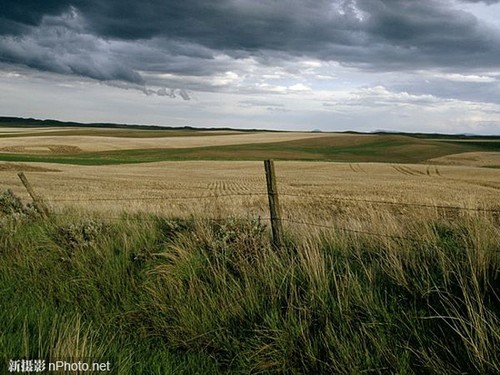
413,171
401,170
407,170
356,168
429,171
361,168
433,171
486,184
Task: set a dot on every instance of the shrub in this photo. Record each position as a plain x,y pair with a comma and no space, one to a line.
80,235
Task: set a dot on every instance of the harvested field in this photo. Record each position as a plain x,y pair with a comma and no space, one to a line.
101,146
194,184
473,159
42,149
19,167
238,187
20,130
106,143
110,132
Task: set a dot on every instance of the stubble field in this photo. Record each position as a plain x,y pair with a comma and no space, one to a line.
187,186
239,188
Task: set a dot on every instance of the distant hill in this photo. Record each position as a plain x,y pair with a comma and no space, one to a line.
31,123
437,135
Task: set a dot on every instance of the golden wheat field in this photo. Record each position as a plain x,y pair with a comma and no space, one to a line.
309,191
473,159
327,193
38,141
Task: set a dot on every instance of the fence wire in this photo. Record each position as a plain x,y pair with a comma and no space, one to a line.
399,204
351,230
156,198
154,217
260,193
146,217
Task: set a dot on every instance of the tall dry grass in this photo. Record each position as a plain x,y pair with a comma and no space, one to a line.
371,290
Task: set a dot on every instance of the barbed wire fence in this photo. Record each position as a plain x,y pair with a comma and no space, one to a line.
275,218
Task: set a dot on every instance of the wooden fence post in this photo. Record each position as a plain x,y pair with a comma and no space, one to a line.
274,206
39,204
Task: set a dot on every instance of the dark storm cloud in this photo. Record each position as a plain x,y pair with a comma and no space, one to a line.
224,24
60,45
413,34
28,12
386,34
117,39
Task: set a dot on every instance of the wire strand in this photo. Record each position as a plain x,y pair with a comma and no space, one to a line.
154,198
350,230
402,204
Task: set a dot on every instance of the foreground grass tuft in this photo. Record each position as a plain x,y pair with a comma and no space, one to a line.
163,295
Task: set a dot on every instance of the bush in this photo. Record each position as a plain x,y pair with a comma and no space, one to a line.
12,211
81,235
11,205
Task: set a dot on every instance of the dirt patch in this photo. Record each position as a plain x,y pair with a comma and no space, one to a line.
42,149
65,149
19,167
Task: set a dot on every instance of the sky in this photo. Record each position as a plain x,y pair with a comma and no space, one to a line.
364,65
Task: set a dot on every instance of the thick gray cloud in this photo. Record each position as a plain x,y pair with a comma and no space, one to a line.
482,1
29,12
61,45
107,39
383,34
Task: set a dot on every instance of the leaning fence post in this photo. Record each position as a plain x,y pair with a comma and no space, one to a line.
274,206
39,204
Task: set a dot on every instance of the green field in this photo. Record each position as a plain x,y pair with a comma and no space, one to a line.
349,147
379,148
